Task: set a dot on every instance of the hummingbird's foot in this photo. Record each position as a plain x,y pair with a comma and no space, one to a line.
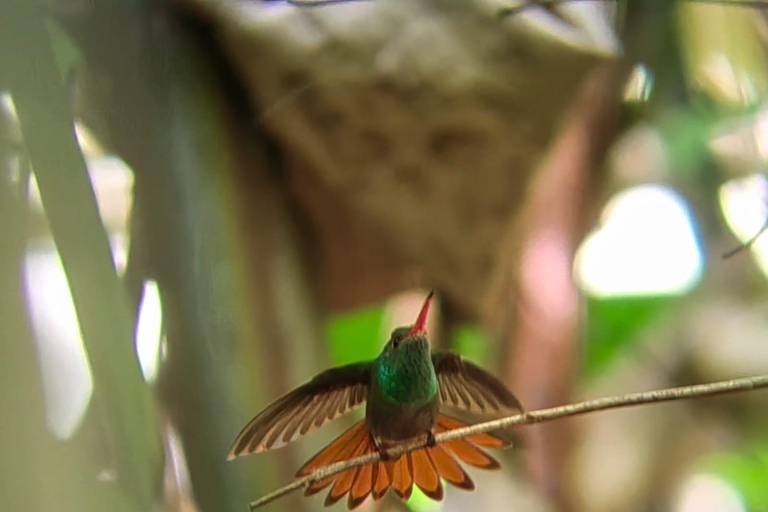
383,455
431,441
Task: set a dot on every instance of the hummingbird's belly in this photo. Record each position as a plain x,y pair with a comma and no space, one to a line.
396,422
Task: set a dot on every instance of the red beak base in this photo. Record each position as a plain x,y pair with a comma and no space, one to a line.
420,327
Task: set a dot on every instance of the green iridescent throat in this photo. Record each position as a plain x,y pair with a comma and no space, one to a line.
406,374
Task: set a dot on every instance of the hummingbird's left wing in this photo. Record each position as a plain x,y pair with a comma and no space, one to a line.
325,397
466,386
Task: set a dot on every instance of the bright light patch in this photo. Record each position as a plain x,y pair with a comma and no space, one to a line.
149,330
728,83
112,182
6,104
89,144
67,380
646,245
639,86
705,493
745,207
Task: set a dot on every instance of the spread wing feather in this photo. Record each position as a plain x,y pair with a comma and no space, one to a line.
466,386
325,397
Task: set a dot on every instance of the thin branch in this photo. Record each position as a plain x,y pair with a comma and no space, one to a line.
510,11
747,244
600,404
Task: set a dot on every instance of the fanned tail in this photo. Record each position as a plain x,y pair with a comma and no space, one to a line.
424,468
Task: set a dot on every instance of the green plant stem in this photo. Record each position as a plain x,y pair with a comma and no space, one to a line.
44,114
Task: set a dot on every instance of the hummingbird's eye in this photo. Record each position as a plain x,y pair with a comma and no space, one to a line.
396,342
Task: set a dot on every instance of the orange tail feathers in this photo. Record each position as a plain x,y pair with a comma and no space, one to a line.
424,468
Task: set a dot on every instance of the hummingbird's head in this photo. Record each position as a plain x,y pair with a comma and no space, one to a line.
405,372
408,338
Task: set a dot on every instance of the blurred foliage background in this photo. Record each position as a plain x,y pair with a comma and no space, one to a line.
206,202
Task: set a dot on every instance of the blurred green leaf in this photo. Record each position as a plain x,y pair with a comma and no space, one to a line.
471,342
419,502
686,135
614,327
68,55
356,336
39,472
748,471
45,117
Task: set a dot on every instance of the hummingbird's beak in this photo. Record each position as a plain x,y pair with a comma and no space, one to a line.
420,327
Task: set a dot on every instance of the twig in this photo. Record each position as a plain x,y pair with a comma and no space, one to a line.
747,244
510,11
600,404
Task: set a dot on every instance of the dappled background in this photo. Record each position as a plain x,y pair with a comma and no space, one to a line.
206,202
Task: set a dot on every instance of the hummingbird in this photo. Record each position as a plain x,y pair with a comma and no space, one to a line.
410,393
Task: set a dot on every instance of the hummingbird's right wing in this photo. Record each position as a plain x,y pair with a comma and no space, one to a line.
466,386
325,397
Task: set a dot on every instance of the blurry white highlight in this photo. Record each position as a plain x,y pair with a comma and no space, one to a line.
732,84
745,207
705,493
646,245
112,182
149,331
740,144
66,374
639,86
67,380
